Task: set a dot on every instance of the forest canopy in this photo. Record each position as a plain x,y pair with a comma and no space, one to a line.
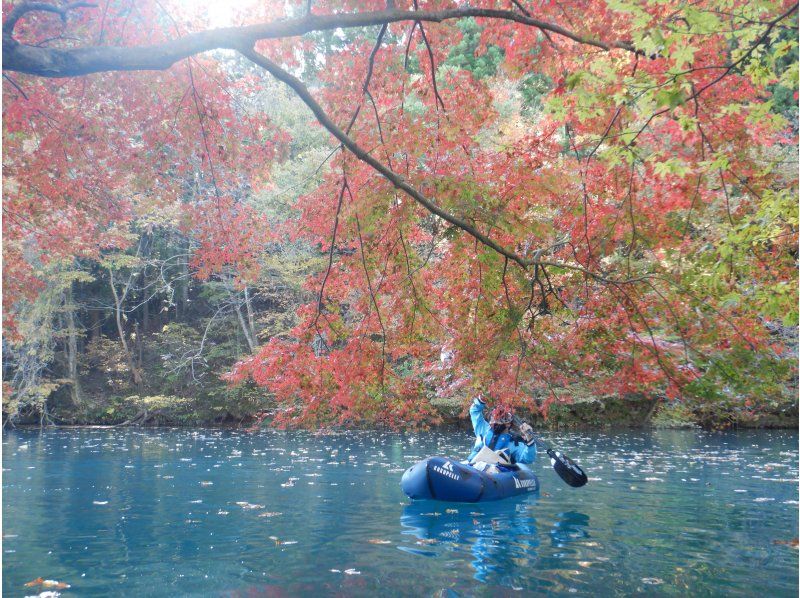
342,212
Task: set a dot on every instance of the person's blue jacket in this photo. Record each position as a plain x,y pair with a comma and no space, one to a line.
485,436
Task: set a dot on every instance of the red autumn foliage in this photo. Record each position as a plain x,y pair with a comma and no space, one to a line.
639,220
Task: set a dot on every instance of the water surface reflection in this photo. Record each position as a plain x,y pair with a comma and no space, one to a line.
503,538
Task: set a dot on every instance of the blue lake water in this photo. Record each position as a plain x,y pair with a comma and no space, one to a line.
221,513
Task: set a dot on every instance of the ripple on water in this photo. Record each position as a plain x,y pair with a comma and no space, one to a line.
219,512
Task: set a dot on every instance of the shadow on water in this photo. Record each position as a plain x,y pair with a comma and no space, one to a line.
503,539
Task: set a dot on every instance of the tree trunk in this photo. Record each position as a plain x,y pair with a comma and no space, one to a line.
145,317
245,324
250,317
184,284
246,331
135,375
94,329
139,345
72,348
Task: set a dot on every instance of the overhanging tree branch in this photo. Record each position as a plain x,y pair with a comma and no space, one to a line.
21,9
51,62
302,91
322,117
70,62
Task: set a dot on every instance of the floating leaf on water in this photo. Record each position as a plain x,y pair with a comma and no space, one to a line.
47,583
793,543
58,585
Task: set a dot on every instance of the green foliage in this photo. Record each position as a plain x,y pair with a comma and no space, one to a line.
412,65
534,87
103,354
677,414
739,374
42,325
464,55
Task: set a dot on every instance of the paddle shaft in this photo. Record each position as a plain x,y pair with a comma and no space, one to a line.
566,468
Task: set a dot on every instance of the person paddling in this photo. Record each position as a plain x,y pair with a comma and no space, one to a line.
516,446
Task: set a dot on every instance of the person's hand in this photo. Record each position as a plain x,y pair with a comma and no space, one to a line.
526,431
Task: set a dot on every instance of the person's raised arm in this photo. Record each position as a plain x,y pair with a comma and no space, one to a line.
479,423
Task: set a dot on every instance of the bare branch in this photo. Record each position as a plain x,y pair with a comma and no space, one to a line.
372,295
371,62
67,62
22,9
321,298
439,100
16,86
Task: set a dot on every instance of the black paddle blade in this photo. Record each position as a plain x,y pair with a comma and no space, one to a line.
567,469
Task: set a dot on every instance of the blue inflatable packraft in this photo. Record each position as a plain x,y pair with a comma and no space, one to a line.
441,478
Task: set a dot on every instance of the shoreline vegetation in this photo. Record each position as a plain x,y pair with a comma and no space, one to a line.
610,412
